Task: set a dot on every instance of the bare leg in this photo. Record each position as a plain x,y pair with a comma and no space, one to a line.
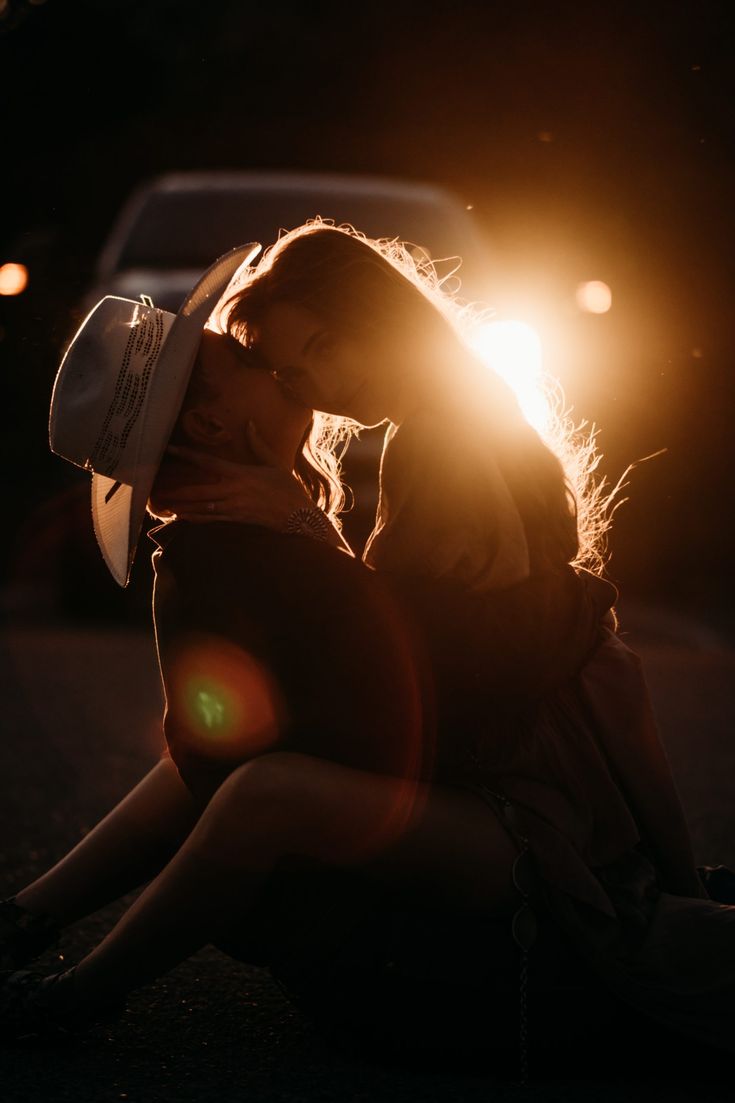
128,847
446,842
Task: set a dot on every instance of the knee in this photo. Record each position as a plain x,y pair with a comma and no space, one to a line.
268,781
265,799
271,773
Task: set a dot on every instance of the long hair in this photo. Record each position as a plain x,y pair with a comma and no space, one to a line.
363,287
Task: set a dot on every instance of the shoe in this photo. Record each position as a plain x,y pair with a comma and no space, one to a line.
23,935
37,1006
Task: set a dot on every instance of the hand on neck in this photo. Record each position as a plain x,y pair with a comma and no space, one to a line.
176,474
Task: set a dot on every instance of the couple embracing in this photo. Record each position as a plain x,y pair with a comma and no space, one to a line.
451,716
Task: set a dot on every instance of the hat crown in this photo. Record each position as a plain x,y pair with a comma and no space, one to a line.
102,383
117,395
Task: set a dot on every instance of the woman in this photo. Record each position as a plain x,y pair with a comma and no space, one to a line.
540,710
493,548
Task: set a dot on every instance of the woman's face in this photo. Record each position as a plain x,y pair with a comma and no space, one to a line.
324,370
245,394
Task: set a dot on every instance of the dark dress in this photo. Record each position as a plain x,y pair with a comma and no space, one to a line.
529,699
275,642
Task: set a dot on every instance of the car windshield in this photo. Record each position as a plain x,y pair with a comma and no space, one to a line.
185,229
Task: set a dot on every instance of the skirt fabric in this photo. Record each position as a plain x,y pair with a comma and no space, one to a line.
591,791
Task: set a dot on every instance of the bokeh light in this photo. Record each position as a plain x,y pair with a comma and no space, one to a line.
594,297
513,350
13,279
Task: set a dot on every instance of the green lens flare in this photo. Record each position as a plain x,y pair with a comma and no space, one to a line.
211,709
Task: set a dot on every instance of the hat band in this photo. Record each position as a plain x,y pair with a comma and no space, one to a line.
147,332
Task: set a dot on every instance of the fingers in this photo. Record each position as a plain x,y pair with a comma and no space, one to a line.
255,495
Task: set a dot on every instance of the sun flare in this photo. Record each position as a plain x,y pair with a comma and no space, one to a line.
513,350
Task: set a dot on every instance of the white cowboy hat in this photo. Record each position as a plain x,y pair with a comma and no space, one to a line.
118,393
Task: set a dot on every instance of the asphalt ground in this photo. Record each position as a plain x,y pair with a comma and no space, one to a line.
81,725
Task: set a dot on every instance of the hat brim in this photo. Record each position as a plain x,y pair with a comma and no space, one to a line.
118,510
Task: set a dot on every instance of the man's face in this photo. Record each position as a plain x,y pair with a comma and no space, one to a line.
241,393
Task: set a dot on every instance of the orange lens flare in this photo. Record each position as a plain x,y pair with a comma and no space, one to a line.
594,297
224,703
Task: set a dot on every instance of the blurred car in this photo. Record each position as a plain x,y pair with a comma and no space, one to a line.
172,227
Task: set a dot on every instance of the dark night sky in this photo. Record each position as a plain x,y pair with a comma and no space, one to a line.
634,187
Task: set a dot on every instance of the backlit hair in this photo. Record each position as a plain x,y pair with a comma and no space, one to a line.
363,287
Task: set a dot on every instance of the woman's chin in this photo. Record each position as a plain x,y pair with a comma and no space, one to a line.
367,416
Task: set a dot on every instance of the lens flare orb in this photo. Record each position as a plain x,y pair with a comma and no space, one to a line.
594,297
222,701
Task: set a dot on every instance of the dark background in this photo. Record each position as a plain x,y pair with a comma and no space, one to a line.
593,142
